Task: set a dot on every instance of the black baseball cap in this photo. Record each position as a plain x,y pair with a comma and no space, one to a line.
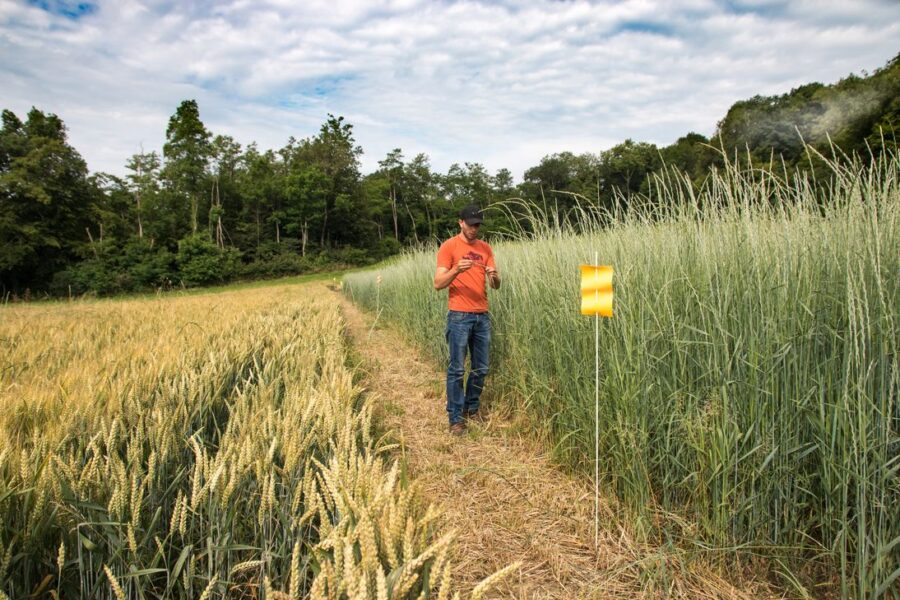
471,214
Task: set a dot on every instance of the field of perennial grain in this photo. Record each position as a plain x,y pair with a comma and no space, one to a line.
197,447
749,402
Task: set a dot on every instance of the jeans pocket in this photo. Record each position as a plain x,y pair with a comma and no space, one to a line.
456,317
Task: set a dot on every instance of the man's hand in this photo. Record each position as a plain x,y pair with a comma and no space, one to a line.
444,276
464,265
493,277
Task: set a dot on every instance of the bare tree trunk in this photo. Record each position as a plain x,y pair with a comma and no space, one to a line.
217,202
137,197
212,206
394,212
413,221
277,232
91,238
304,237
140,225
195,206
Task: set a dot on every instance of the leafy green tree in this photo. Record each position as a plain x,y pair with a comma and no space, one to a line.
143,182
306,189
420,195
885,129
201,262
113,214
554,173
377,191
462,185
46,200
467,184
187,152
335,153
692,154
503,184
624,168
225,154
392,169
147,265
13,141
510,217
260,191
562,180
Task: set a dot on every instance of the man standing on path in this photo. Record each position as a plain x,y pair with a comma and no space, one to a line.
465,264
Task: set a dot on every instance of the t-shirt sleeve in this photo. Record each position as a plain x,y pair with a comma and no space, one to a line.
445,257
490,258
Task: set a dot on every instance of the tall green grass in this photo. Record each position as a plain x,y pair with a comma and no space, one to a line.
749,378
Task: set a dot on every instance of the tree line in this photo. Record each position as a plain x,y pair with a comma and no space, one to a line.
207,210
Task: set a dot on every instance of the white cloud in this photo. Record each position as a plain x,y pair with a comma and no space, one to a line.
463,81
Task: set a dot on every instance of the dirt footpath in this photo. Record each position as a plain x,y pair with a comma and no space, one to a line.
503,496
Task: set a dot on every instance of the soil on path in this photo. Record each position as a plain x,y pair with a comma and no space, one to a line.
505,499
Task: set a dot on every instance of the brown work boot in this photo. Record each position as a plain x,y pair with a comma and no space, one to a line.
458,429
476,417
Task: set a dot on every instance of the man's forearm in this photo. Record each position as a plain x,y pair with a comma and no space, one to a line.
442,280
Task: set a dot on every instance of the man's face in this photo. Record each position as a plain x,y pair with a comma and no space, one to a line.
470,232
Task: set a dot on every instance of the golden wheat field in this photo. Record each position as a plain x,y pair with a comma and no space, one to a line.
201,446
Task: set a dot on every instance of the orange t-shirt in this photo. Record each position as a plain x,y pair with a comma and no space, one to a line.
468,292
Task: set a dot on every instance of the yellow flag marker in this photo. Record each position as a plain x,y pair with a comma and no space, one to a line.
597,300
597,290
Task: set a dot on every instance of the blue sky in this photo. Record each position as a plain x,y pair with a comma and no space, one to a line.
500,83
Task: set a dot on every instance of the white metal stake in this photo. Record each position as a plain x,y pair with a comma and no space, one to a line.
596,422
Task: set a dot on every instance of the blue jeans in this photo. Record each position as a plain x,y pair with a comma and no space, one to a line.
466,332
